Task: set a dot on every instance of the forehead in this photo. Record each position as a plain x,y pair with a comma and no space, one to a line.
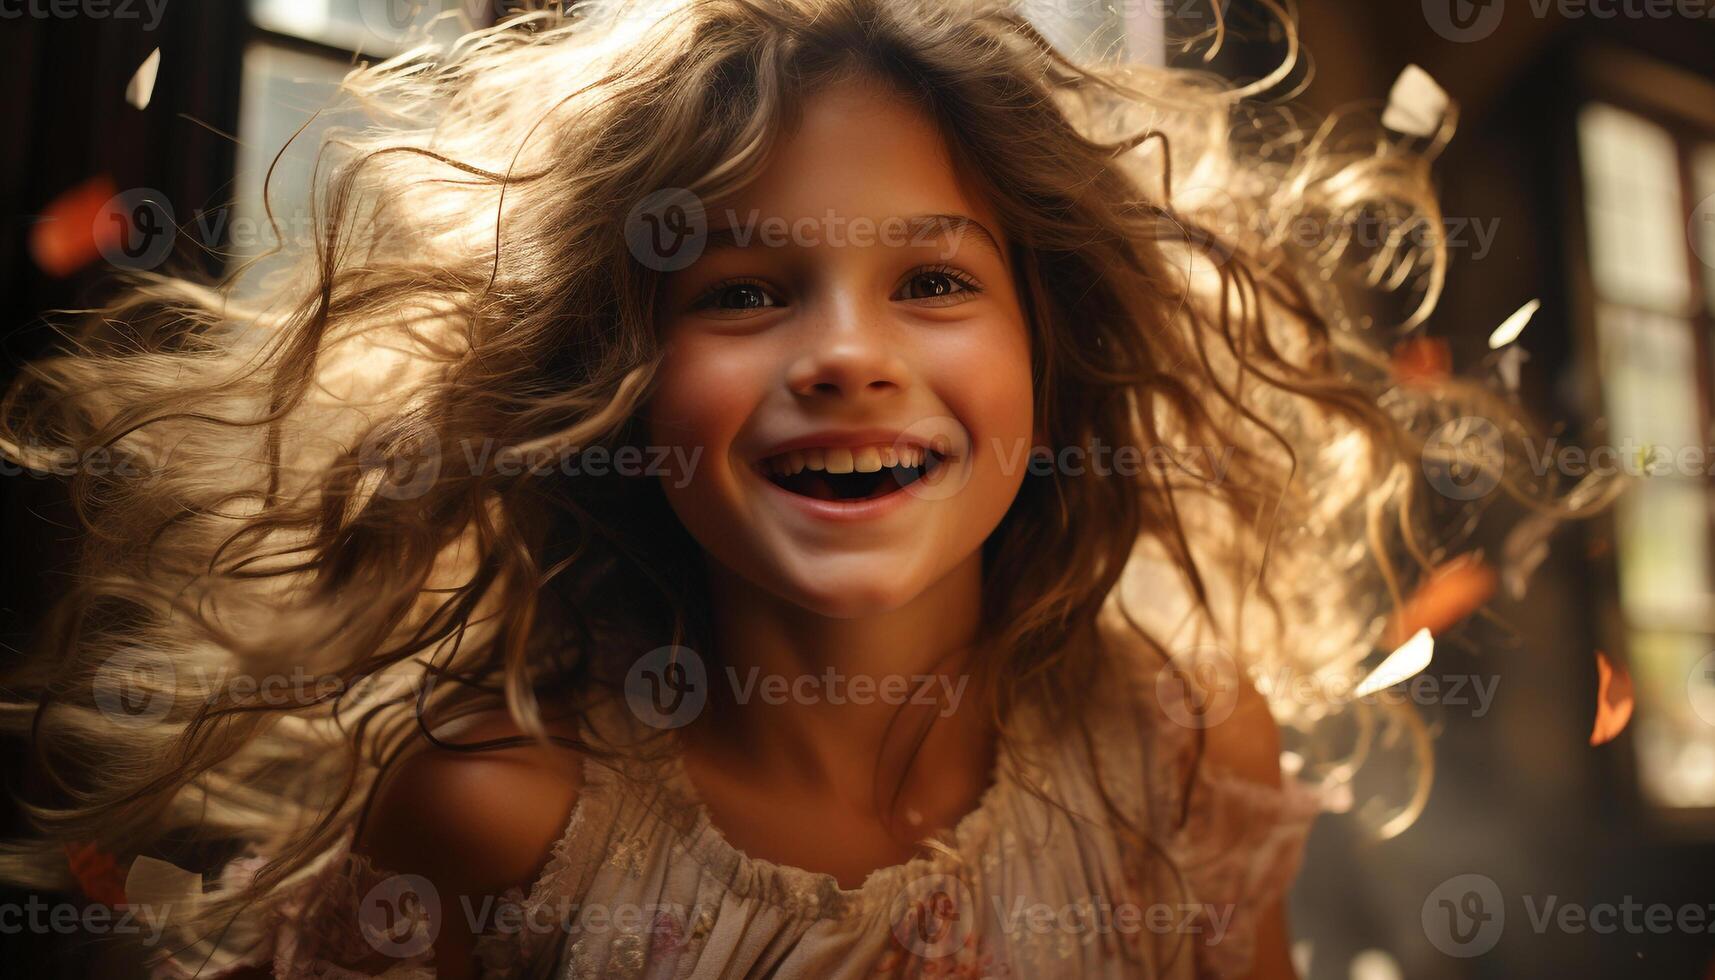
859,151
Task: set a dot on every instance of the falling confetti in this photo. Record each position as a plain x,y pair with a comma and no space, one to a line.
142,85
1416,104
1422,360
1613,700
96,873
65,237
152,881
1402,664
1452,591
1513,325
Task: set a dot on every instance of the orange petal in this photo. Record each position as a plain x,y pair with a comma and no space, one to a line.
96,872
63,239
1451,592
1613,700
1422,359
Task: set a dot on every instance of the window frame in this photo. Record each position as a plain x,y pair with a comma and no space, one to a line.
1656,91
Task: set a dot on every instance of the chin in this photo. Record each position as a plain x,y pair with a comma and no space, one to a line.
852,597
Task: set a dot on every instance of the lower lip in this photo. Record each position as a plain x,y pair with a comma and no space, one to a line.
841,510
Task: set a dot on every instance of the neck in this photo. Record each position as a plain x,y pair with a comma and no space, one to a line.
850,705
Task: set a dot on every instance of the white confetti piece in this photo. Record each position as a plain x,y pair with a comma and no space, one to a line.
1416,104
1513,325
1412,656
152,881
142,85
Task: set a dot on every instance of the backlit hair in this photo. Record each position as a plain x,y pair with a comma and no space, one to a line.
294,495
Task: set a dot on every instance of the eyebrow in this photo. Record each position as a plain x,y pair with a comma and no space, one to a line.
920,230
958,225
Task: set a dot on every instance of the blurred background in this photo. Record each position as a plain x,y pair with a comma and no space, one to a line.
1582,177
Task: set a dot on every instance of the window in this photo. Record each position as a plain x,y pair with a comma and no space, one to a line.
298,52
1649,215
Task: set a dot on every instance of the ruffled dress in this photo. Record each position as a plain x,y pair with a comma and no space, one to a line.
1036,882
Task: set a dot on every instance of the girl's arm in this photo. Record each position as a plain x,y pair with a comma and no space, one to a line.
1248,745
473,824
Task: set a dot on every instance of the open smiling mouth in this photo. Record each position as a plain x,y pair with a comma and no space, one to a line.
864,473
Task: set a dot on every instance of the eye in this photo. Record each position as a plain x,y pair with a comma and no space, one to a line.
736,296
938,286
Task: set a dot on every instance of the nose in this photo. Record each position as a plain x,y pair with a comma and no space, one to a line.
848,354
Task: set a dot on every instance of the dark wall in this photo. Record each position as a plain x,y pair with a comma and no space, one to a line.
64,120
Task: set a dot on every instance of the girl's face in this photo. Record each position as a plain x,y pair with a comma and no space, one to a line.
852,313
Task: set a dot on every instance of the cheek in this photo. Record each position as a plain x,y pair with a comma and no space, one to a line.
989,388
702,397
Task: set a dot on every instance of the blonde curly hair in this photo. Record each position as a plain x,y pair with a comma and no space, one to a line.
286,503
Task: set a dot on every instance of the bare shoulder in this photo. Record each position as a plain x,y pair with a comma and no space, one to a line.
1203,690
474,821
1247,743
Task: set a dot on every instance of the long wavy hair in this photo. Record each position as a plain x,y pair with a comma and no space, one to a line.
289,494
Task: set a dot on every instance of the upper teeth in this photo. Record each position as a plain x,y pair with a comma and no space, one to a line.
863,459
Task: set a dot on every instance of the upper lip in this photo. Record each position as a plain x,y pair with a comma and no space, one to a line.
853,438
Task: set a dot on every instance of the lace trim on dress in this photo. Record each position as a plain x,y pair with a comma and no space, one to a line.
355,921
663,784
356,913
533,923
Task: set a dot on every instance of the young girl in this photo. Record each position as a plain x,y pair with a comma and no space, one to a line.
731,493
